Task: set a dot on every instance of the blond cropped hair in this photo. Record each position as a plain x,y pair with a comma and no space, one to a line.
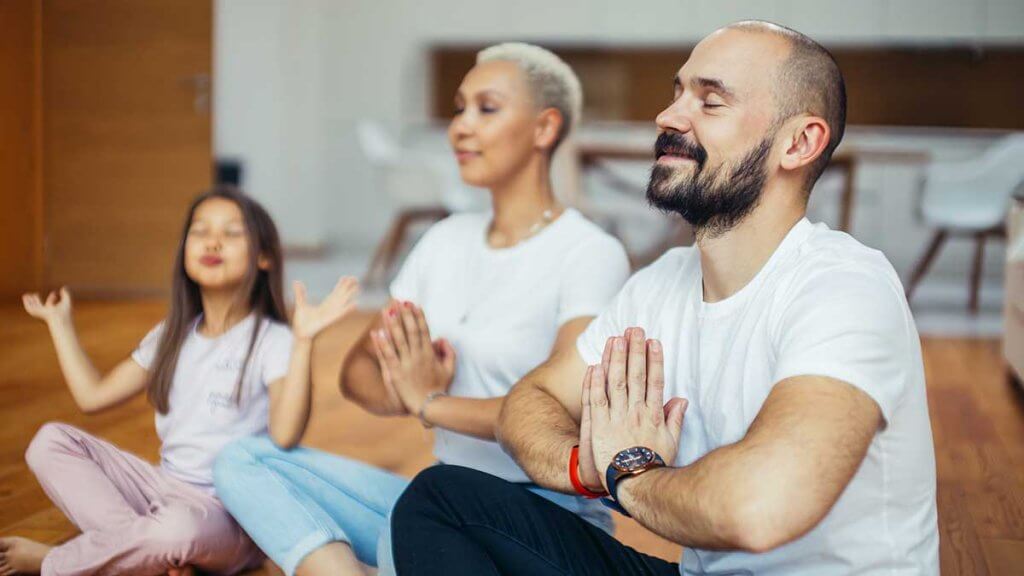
551,80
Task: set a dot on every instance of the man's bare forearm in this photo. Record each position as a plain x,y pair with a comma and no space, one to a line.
775,484
694,505
539,433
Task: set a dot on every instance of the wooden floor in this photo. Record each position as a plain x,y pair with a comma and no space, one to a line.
977,419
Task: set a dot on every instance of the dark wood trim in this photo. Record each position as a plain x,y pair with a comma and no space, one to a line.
953,86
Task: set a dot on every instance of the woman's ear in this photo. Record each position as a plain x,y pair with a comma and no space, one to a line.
263,263
549,124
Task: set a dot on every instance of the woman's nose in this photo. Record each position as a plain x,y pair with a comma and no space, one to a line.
462,125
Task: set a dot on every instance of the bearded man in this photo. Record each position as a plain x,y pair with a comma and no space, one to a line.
806,447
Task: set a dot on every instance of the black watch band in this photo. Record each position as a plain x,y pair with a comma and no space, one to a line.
614,474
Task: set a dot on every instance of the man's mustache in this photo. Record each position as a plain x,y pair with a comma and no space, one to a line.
675,144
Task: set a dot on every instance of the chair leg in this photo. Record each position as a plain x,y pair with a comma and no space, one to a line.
925,262
979,260
401,229
385,251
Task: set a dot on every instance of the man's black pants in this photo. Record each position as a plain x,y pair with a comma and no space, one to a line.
453,520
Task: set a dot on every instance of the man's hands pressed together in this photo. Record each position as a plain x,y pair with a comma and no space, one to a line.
623,406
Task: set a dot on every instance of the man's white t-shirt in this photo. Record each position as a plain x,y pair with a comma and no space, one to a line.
822,305
501,308
203,416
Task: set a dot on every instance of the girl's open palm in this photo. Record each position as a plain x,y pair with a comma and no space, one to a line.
57,305
309,320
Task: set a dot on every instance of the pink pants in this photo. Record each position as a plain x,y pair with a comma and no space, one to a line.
134,518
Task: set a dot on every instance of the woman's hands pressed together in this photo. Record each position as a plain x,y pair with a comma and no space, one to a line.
412,364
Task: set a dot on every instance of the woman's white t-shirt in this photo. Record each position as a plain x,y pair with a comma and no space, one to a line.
822,305
203,416
501,308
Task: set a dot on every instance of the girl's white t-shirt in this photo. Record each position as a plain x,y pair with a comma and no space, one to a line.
203,416
823,305
501,309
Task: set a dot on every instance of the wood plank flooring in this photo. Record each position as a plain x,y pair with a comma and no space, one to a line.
977,421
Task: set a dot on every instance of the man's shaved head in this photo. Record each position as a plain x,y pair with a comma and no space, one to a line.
808,81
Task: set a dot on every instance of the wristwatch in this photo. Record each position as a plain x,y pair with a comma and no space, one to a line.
629,462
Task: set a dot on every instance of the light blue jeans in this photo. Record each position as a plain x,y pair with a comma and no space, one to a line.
293,502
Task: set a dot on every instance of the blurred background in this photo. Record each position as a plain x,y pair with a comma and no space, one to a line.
114,113
332,113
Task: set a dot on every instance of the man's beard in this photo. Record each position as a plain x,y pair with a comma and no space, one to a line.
712,205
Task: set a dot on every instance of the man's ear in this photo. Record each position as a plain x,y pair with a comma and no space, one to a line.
549,124
808,138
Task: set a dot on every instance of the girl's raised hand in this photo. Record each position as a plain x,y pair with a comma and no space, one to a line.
56,307
309,320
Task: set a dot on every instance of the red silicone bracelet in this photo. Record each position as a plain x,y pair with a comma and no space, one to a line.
574,477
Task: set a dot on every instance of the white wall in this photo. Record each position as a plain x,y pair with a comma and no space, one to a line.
269,103
292,78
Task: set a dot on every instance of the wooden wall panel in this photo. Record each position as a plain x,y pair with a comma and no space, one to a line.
20,192
956,87
127,137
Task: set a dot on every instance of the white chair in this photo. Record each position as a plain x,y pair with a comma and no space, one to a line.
970,198
424,187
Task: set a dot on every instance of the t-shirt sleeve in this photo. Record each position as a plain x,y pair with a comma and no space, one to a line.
850,324
145,352
276,353
593,273
622,312
406,285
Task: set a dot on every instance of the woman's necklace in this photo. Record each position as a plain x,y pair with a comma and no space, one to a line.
483,288
546,218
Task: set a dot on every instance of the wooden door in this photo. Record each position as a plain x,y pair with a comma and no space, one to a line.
20,190
126,137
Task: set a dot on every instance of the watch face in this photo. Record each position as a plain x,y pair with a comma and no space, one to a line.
632,459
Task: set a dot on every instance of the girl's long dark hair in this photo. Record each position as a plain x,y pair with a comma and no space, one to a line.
262,292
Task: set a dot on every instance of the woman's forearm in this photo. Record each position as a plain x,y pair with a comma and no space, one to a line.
471,416
362,382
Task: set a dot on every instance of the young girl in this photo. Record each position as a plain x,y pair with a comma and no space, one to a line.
220,363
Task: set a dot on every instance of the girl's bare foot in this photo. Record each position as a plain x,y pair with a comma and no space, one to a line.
21,555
